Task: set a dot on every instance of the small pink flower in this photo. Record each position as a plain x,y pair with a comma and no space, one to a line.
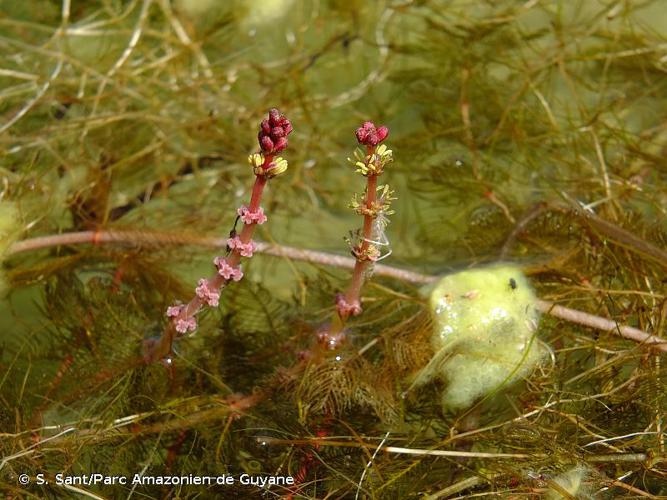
182,325
226,271
186,325
175,310
209,295
249,217
244,249
346,309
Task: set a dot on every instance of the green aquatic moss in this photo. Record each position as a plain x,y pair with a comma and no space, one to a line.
484,332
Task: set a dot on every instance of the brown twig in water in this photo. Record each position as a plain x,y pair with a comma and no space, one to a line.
157,238
521,224
599,323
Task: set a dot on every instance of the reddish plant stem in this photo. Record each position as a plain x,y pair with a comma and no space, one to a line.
352,296
354,291
163,347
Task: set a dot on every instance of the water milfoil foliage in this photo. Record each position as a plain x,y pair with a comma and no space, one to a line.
529,133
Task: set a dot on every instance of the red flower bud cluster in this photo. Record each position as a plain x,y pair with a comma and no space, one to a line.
273,132
368,135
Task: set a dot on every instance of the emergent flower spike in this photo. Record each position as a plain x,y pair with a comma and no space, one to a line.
369,135
265,165
273,132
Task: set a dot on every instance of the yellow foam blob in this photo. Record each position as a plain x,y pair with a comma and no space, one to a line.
484,334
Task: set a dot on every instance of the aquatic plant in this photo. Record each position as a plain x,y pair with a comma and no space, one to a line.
272,139
368,244
530,133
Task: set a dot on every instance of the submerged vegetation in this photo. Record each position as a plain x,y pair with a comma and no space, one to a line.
524,132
